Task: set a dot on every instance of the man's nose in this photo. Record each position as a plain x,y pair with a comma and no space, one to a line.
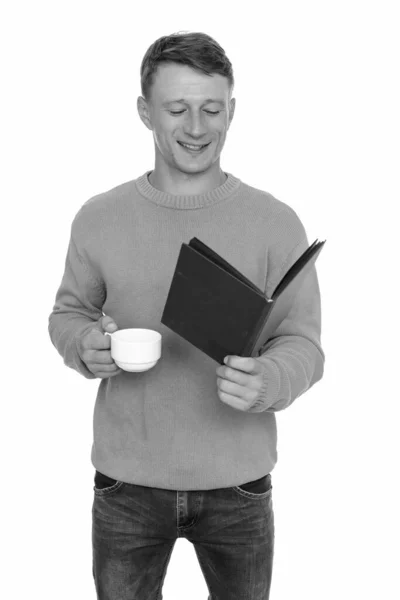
195,125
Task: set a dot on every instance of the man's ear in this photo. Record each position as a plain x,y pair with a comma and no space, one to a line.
144,112
232,105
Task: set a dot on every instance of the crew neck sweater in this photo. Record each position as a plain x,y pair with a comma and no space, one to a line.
167,427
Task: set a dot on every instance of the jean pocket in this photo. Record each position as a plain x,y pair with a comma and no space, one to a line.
104,485
259,488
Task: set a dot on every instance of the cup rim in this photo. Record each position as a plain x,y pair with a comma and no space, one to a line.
156,336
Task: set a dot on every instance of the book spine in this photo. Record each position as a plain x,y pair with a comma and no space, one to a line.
251,348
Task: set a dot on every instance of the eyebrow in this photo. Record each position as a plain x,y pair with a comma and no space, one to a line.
217,101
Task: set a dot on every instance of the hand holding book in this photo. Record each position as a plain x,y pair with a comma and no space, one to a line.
241,382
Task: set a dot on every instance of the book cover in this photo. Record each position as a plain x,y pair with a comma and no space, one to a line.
218,310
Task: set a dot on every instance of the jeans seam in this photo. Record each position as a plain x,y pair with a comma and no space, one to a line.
251,494
103,492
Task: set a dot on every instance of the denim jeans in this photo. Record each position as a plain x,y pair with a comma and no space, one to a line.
134,529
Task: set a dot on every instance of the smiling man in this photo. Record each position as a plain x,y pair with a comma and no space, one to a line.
189,114
185,449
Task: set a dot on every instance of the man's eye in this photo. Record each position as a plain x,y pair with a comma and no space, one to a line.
179,112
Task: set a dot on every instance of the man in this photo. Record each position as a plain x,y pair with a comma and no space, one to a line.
185,449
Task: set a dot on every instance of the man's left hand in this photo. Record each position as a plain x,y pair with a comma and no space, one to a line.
240,382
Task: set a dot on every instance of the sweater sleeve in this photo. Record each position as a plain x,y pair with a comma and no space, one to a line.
78,305
293,359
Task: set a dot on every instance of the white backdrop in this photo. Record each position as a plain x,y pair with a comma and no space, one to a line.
317,125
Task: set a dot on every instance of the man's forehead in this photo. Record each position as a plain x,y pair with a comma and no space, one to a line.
179,83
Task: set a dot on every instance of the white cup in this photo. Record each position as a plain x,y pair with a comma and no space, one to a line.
135,349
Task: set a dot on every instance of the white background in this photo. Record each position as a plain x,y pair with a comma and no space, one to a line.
317,125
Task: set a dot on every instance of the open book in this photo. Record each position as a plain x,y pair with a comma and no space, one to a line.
217,309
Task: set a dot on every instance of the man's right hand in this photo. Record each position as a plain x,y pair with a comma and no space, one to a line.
95,349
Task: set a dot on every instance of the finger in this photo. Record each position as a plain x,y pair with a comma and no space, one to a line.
96,340
242,363
108,324
100,357
106,375
233,401
236,390
117,372
234,375
104,368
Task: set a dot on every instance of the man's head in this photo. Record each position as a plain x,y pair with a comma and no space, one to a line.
187,83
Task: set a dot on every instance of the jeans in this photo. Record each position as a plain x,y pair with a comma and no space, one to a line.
134,529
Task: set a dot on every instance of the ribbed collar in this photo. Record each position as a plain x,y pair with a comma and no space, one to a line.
189,200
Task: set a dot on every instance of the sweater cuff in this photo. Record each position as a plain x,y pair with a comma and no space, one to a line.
271,383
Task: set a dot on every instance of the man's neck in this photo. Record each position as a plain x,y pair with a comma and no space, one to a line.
184,185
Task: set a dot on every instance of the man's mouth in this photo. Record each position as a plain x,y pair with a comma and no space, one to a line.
194,147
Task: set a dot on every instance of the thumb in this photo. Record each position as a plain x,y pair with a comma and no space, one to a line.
108,324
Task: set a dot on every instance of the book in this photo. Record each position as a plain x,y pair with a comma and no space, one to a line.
220,311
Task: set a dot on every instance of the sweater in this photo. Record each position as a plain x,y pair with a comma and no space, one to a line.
167,427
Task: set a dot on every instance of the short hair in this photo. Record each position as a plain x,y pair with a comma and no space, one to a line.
194,49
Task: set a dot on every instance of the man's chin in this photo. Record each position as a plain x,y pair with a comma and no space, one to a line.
191,168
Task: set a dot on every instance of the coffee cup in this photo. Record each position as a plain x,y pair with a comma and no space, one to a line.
135,349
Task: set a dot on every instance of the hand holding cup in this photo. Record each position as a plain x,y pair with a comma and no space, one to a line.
95,349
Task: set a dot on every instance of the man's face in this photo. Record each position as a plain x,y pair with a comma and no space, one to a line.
190,107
